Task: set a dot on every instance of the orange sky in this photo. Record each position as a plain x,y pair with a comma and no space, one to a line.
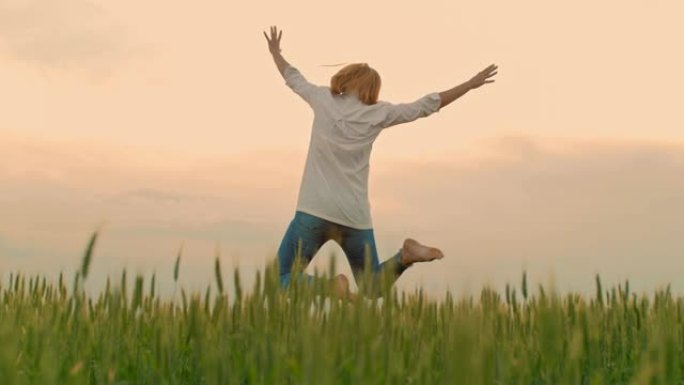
111,97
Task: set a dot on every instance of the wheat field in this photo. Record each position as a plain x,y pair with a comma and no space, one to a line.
55,333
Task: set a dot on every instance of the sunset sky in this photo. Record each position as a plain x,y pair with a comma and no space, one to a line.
168,123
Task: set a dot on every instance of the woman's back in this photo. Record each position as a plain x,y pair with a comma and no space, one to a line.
335,181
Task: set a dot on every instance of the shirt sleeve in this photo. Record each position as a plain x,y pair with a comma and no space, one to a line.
407,112
296,81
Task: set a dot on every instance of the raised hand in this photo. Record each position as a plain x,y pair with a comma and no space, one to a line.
482,76
274,41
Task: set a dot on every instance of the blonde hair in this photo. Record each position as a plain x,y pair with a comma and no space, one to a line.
358,77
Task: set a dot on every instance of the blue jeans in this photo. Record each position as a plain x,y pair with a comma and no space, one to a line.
307,233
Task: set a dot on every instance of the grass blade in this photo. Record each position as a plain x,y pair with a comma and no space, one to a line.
87,257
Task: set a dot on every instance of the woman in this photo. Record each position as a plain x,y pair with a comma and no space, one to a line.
333,196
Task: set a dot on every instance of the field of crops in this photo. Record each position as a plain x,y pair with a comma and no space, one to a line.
54,333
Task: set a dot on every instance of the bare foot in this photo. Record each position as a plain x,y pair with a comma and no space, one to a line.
415,252
340,286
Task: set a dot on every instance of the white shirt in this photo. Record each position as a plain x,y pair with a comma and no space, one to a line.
335,181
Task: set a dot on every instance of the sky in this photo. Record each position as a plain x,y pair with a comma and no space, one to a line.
168,124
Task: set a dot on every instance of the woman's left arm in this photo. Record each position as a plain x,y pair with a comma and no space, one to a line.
293,78
274,48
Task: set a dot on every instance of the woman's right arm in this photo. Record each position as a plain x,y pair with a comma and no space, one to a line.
476,81
407,112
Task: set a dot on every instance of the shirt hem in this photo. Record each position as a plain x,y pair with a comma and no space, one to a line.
335,220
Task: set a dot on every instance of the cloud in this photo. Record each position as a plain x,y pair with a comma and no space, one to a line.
157,196
579,207
76,35
576,207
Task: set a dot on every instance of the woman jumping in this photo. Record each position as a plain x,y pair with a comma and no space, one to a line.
333,195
